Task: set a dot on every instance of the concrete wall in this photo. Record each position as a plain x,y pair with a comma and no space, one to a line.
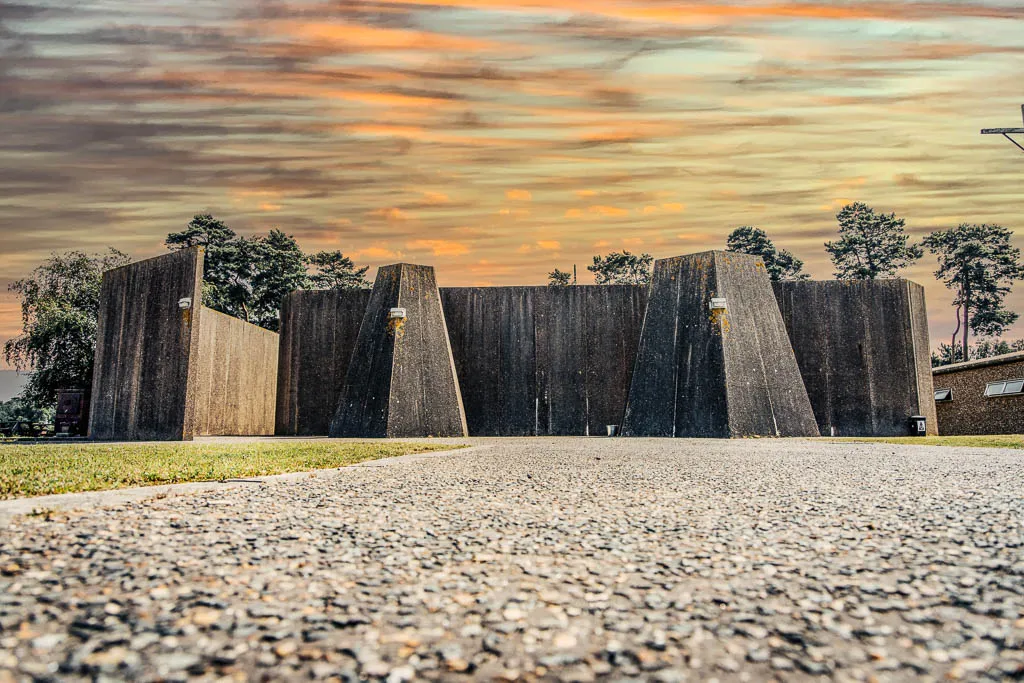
705,374
544,360
970,411
236,378
401,380
863,351
143,381
318,333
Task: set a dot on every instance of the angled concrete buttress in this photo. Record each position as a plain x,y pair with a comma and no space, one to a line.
727,372
401,380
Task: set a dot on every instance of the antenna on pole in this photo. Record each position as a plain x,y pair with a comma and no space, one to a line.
1007,132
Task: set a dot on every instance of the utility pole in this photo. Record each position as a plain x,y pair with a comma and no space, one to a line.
1007,132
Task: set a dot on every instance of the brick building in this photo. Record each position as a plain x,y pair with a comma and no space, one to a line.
981,396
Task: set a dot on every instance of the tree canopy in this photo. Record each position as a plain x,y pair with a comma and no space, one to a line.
947,354
780,264
560,278
59,312
622,268
870,245
980,265
248,276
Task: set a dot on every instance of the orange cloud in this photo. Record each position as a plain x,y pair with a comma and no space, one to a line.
519,195
377,252
673,207
549,245
436,198
439,247
267,206
354,37
608,211
391,214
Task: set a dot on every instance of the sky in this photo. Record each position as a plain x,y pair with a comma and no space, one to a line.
499,139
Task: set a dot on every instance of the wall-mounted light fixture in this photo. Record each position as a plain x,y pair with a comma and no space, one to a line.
717,303
396,314
185,303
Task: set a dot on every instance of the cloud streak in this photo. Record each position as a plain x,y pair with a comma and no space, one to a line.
501,138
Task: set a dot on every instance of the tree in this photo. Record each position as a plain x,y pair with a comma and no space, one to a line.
622,269
278,267
59,312
781,265
20,410
226,262
980,265
247,277
560,278
334,270
948,354
870,245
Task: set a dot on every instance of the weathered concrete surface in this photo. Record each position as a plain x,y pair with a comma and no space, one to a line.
545,559
970,411
715,375
863,351
236,379
318,333
144,383
401,380
544,360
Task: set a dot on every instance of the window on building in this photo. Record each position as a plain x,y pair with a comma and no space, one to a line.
1010,387
943,395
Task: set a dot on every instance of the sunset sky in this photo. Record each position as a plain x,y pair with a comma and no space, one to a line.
498,139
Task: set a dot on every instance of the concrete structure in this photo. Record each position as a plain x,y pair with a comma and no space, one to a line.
401,380
168,368
704,351
144,384
318,333
537,361
863,351
236,377
981,396
714,358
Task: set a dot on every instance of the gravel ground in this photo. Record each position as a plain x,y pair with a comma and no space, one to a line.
543,559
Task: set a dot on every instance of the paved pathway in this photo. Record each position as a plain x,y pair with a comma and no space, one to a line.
564,559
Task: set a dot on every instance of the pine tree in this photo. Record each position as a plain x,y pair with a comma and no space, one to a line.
781,265
980,265
870,245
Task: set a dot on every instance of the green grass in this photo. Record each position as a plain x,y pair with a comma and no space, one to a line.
42,469
996,441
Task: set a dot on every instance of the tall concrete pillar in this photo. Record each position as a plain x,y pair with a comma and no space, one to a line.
401,379
714,357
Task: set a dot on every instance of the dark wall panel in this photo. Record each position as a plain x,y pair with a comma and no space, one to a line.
143,382
863,351
544,360
318,333
492,339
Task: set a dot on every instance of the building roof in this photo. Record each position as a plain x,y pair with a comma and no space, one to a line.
1015,357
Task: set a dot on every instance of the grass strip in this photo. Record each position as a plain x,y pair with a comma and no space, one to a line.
43,469
984,441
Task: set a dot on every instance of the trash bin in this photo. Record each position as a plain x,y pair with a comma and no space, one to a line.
613,430
918,425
